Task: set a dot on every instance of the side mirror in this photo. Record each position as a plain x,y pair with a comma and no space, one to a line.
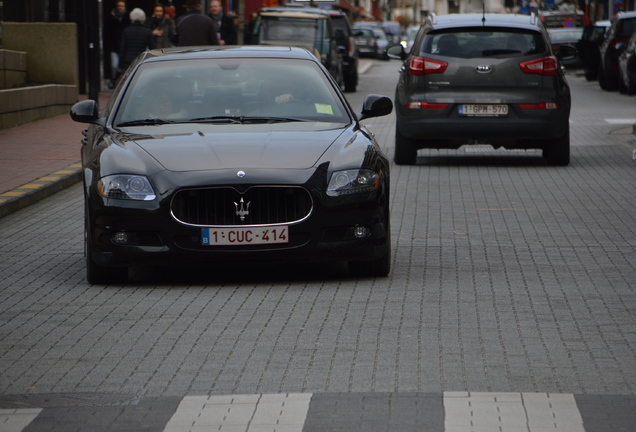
396,52
85,112
375,106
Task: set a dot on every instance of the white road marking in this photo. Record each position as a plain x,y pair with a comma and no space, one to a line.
511,412
241,413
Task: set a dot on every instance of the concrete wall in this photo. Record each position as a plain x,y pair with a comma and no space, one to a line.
26,104
13,68
44,57
51,50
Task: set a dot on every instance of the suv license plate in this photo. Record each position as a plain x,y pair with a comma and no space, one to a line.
241,236
483,110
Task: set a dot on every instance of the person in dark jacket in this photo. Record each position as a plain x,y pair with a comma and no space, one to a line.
114,25
162,26
136,39
194,28
226,31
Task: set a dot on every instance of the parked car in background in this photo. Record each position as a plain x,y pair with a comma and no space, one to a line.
566,36
627,68
371,42
409,37
482,79
393,31
589,48
344,38
309,28
232,154
622,28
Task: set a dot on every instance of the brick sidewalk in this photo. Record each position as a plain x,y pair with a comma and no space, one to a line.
39,158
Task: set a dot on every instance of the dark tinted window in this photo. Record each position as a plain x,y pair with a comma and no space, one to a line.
483,42
627,28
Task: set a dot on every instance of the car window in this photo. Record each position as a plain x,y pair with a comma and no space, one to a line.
277,30
627,28
181,91
483,42
565,35
379,34
340,23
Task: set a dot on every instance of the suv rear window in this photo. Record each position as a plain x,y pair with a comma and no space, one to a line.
481,42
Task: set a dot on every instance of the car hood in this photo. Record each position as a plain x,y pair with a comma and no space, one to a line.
286,149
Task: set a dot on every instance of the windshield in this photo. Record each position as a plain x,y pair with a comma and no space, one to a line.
230,91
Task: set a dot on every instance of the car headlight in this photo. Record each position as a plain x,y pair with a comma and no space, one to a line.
352,181
125,186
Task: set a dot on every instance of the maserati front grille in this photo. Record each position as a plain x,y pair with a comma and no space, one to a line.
226,206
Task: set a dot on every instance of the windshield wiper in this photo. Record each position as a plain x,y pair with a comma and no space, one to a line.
145,122
246,120
218,119
272,119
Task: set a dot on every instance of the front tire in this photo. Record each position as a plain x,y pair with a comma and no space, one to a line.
405,150
375,268
557,152
97,274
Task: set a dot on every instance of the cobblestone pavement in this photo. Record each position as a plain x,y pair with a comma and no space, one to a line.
511,307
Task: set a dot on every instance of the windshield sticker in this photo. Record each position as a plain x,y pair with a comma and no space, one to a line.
324,109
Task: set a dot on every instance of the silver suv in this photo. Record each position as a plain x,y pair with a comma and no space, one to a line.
482,79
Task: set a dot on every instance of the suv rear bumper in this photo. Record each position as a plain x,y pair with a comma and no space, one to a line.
521,128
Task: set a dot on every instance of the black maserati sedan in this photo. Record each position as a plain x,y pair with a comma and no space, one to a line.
209,155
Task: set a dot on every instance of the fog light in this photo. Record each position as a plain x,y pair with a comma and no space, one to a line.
120,238
360,232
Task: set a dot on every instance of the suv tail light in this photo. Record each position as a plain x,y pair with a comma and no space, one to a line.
423,66
545,66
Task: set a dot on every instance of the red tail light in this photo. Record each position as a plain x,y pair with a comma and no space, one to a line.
616,41
423,66
544,66
425,105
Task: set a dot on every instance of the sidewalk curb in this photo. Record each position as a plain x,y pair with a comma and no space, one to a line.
39,189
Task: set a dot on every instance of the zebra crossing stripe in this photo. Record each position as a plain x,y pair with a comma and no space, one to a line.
253,413
511,412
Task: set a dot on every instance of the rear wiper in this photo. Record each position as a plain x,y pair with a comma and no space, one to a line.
144,122
493,52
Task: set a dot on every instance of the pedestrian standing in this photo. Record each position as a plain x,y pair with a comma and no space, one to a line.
226,30
162,26
194,28
116,22
136,39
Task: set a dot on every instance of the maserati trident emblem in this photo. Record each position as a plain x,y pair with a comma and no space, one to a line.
241,174
242,209
483,69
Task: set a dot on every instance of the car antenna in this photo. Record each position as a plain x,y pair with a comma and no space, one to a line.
483,13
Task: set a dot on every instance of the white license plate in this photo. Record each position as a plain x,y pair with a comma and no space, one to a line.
240,236
483,110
